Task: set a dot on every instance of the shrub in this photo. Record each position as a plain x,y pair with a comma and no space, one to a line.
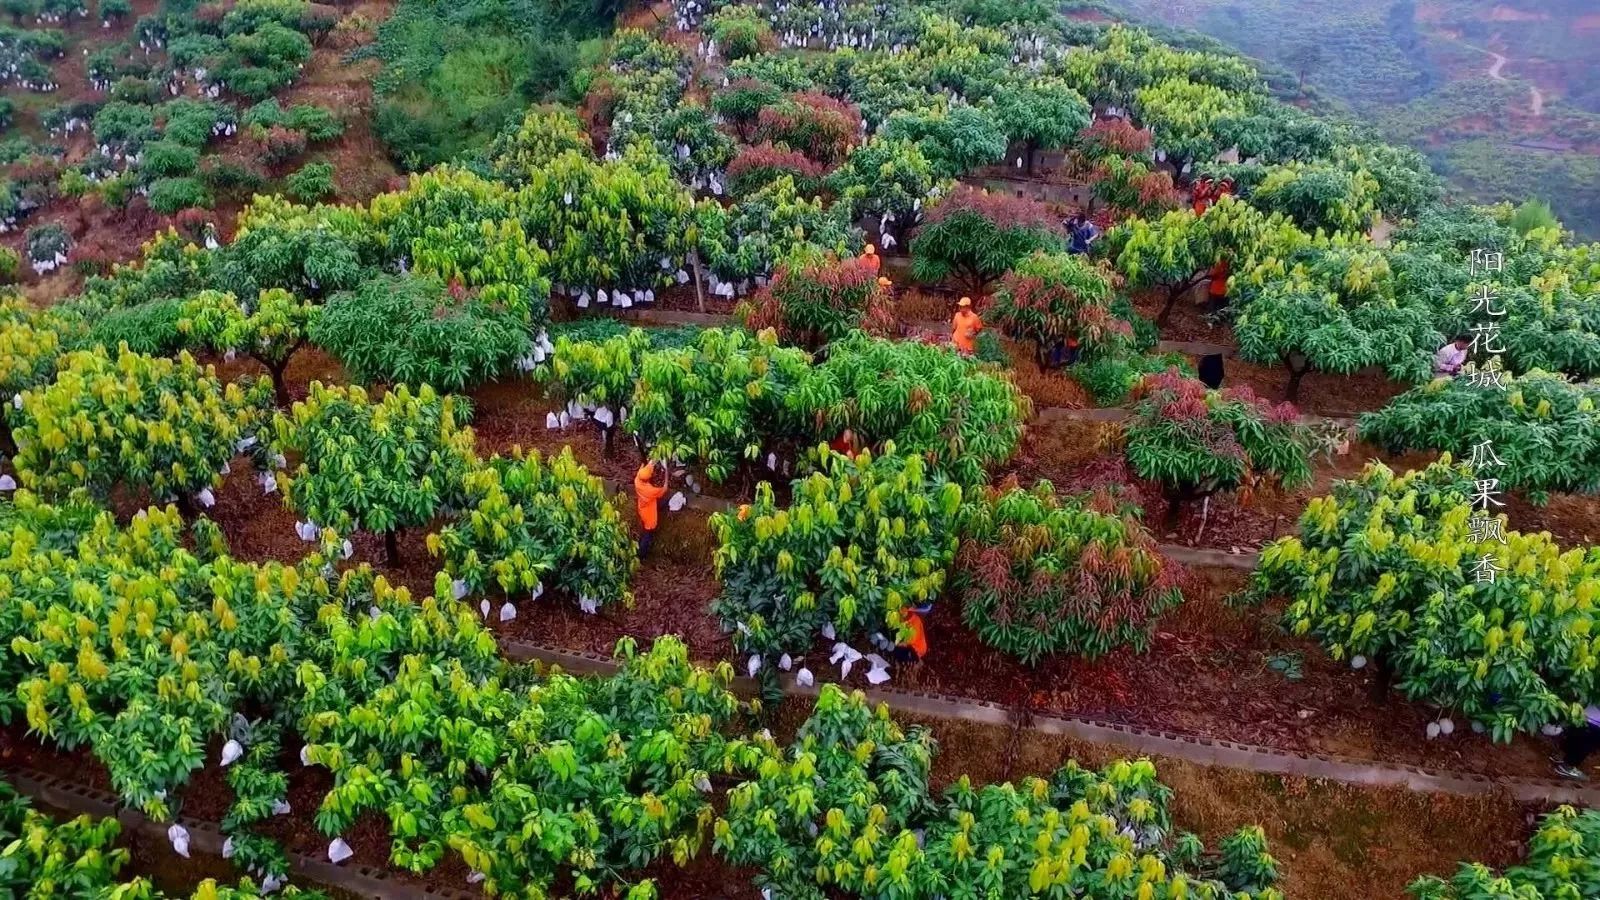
398,329
169,195
1196,442
1388,568
961,418
1040,575
828,559
313,182
531,524
813,301
976,237
379,467
175,424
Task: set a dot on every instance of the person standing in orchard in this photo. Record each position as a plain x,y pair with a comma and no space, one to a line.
964,327
1578,744
1219,284
870,257
647,496
914,647
1452,356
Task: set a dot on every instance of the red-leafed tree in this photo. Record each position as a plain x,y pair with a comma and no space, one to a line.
975,237
1051,298
756,167
1114,137
815,300
817,125
1196,442
1131,188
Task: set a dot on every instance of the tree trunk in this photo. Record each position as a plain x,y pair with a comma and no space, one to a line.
699,289
1296,372
280,386
609,436
391,547
1177,498
1030,151
1173,293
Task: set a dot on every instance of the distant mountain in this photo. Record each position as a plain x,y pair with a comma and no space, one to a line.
1505,96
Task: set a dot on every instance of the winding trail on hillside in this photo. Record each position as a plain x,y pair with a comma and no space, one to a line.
1496,72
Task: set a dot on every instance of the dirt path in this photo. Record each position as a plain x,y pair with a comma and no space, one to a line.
1496,72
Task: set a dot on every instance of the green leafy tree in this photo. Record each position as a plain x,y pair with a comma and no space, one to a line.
716,401
824,559
1319,197
954,141
960,417
888,178
976,237
1541,427
1177,251
413,330
167,426
1387,569
1332,306
1194,442
531,524
544,133
1040,115
374,466
848,810
1563,860
740,31
312,182
269,331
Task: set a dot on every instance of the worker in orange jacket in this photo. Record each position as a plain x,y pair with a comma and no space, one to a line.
869,255
1219,284
915,647
965,326
647,496
1202,195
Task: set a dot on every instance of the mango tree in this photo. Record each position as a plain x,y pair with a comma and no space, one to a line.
1195,442
168,426
270,330
1177,251
374,466
975,237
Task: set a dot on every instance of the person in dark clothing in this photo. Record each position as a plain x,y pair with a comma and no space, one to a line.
1081,233
1210,370
1578,743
